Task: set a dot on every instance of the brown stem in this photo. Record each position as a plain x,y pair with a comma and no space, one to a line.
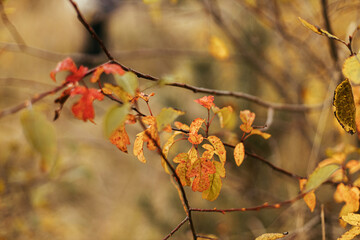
176,228
333,50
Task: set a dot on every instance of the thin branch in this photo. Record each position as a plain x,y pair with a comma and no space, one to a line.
176,228
91,30
177,178
11,28
333,50
256,208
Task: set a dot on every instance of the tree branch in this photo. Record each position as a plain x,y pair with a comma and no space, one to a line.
176,228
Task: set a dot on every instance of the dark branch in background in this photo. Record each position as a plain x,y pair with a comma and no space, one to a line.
11,28
177,178
333,50
91,30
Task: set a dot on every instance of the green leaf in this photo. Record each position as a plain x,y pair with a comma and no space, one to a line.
114,118
129,82
319,176
351,69
345,110
41,135
167,116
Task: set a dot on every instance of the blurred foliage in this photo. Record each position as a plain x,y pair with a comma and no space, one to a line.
94,191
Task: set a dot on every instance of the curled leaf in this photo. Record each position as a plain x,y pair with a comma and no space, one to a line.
69,65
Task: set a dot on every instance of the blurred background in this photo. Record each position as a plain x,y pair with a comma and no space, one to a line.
252,46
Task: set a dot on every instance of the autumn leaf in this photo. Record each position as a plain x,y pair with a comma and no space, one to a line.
213,191
200,170
209,153
84,109
108,68
319,176
115,117
317,30
117,91
120,138
351,234
181,126
184,164
247,118
151,133
128,81
239,153
69,65
271,236
258,132
309,198
352,219
138,147
226,116
219,148
194,137
351,69
206,101
166,149
166,117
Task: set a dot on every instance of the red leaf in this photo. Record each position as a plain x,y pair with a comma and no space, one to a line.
84,109
107,68
206,101
201,170
194,137
69,65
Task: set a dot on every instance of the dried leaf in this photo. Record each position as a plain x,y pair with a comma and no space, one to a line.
182,126
345,110
218,147
351,69
318,30
120,138
200,170
352,219
194,137
209,153
183,168
351,234
138,147
239,153
271,236
84,109
206,101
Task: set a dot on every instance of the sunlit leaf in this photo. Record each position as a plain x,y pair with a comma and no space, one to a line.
41,135
166,149
309,198
152,134
218,147
69,65
138,147
351,69
206,101
239,153
114,118
345,106
166,117
218,48
272,236
194,137
226,116
352,219
120,138
351,234
247,118
262,134
182,126
200,170
84,109
319,176
183,168
129,82
213,191
209,153
353,166
317,30
117,91
193,154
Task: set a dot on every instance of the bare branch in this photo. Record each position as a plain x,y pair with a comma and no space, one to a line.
176,228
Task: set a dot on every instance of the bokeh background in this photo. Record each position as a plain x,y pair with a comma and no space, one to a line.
97,192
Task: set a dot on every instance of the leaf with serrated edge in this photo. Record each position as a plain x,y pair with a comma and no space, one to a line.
272,236
319,176
239,153
218,147
345,110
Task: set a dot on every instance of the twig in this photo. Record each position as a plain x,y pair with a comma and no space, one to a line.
333,50
322,215
12,29
256,208
91,30
176,228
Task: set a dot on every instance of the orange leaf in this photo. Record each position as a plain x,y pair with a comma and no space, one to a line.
247,118
219,148
84,109
152,131
309,198
138,147
120,138
181,126
206,101
194,137
258,132
69,65
183,168
107,68
209,153
239,153
201,169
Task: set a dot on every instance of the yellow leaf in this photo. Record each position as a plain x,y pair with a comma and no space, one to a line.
219,148
138,147
351,69
310,198
351,234
258,132
353,166
239,153
166,149
272,236
218,48
317,30
345,106
352,219
226,116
